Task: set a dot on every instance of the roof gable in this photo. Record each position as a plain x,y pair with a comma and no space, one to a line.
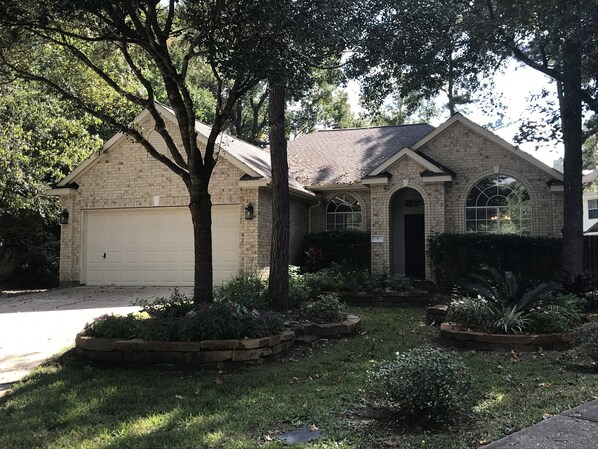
458,117
425,162
252,160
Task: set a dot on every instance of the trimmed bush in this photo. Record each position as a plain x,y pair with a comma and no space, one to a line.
248,290
348,246
423,385
324,309
533,258
114,326
176,305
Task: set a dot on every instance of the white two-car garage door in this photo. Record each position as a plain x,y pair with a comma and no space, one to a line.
155,246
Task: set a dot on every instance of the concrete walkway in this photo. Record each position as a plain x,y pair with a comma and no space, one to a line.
574,429
34,327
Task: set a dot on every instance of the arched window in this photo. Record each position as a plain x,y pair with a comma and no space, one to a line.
498,204
343,212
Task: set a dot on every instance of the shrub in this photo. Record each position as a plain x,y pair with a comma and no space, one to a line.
588,336
342,278
510,321
397,282
176,305
473,313
225,321
424,385
113,326
551,319
350,246
324,309
246,290
165,328
299,288
534,258
217,321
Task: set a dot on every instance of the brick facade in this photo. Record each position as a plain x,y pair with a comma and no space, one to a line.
472,157
126,176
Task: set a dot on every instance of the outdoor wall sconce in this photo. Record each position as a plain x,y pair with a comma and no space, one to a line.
249,212
64,217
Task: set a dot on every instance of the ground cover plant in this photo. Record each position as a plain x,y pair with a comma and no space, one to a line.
70,404
497,303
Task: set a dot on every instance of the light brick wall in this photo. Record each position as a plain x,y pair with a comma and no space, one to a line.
472,157
126,176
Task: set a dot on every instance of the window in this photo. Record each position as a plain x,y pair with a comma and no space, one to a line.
498,204
343,212
593,208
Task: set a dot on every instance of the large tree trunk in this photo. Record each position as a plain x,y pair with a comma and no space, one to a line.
278,286
201,215
571,113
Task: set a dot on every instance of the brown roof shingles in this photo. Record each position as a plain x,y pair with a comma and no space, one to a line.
344,156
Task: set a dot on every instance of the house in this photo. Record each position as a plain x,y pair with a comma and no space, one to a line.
590,203
128,222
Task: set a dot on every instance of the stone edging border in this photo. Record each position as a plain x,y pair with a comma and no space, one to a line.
219,354
452,335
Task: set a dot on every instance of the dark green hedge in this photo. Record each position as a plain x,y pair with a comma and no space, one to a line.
531,258
349,246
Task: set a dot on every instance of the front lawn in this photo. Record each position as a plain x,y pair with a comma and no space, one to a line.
68,404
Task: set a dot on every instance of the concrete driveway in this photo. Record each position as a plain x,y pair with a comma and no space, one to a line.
36,326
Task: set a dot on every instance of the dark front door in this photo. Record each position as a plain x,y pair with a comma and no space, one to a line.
415,246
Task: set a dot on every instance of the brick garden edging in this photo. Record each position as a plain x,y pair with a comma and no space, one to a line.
383,298
453,335
305,334
436,314
219,354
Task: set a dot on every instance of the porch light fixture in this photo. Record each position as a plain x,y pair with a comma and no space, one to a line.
249,212
64,217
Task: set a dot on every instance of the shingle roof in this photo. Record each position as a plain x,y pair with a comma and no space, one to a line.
344,156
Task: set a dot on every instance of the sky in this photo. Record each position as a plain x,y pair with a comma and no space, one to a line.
515,85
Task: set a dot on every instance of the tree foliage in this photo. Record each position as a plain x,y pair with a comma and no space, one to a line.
418,49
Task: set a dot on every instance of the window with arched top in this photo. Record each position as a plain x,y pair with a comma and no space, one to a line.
498,204
343,212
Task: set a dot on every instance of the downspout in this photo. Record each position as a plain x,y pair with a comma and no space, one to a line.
318,204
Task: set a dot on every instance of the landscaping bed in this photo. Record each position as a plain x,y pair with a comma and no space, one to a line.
201,354
219,354
454,336
70,404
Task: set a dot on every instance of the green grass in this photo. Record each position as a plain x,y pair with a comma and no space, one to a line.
68,404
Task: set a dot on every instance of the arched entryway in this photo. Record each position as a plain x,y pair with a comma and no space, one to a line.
407,235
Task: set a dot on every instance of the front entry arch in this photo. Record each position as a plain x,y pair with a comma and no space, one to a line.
407,233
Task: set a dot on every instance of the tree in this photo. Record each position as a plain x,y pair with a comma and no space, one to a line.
417,50
41,139
157,43
435,43
557,38
324,104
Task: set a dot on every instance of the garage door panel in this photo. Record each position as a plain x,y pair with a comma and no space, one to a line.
155,246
